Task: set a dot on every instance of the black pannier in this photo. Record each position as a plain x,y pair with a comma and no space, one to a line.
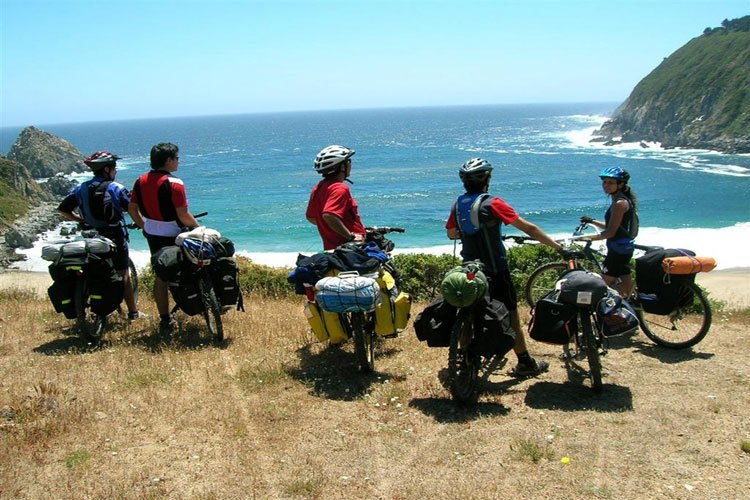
186,293
582,288
167,263
105,285
434,324
658,292
225,275
61,295
553,322
494,334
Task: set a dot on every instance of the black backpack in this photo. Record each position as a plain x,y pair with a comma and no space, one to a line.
225,275
100,203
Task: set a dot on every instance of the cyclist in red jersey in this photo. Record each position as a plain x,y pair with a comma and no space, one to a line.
159,206
331,206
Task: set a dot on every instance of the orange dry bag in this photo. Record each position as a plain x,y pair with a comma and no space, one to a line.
688,265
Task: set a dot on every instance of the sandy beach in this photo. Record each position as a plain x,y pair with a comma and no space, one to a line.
729,285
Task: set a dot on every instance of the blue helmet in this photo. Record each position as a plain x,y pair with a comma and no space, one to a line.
615,173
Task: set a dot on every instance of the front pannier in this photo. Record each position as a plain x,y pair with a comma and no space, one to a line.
225,275
494,334
435,323
186,293
64,273
553,322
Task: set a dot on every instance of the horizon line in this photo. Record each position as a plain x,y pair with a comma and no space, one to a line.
300,111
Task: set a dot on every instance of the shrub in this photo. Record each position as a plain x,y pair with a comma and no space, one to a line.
264,280
421,274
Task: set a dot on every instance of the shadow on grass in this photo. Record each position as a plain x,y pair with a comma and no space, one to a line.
648,348
574,396
334,373
447,411
190,335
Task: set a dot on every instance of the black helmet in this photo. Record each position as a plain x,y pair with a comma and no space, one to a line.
475,169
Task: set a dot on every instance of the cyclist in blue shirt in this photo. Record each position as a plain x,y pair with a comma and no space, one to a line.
100,203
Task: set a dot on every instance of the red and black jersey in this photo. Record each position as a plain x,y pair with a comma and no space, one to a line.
158,194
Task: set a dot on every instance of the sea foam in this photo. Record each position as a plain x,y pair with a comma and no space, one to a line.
724,244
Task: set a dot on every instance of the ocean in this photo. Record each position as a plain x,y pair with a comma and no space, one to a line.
253,173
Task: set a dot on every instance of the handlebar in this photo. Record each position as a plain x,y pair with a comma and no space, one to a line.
133,225
517,239
384,230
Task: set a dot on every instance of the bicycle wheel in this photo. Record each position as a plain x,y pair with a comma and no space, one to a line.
463,365
591,345
133,279
91,326
542,281
211,308
682,328
364,342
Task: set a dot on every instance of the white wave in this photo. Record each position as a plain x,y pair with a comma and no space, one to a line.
724,244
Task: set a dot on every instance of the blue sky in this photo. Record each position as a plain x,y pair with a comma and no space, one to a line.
73,60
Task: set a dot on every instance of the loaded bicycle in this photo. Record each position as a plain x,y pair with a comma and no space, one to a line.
683,325
202,276
86,287
361,306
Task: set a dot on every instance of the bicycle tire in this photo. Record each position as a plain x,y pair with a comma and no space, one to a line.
133,279
542,281
211,308
684,327
364,342
592,350
463,366
90,326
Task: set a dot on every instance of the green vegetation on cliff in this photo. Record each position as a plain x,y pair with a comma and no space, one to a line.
13,202
697,97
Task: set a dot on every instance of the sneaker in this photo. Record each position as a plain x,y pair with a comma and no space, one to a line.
167,326
136,315
524,370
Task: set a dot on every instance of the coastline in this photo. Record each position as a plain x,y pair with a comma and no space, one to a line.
731,286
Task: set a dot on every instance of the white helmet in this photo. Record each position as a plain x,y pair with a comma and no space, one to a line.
331,156
476,168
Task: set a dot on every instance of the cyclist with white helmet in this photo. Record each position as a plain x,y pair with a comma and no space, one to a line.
476,219
331,206
620,227
100,203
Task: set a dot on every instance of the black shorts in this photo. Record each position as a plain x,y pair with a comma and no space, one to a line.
616,264
156,243
502,289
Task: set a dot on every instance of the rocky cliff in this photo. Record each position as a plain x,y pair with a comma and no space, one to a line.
699,97
45,154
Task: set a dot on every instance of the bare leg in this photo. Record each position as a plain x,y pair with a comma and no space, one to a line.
515,322
161,297
129,296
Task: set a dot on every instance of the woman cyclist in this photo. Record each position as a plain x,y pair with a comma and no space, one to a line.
620,227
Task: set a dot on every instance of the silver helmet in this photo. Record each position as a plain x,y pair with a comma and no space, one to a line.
476,168
330,157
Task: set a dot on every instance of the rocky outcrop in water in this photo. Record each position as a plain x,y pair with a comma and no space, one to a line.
699,97
45,154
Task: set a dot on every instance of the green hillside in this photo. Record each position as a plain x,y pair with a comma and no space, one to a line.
697,97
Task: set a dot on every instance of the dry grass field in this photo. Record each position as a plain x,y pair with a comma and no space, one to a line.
273,414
